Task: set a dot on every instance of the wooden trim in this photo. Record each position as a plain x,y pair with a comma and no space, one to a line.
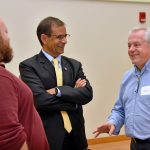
108,139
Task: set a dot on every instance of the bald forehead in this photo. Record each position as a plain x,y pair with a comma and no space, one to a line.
1,22
2,26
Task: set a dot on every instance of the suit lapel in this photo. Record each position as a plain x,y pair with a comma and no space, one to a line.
67,69
46,64
67,72
64,70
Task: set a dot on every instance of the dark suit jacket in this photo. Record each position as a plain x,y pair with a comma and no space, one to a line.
39,74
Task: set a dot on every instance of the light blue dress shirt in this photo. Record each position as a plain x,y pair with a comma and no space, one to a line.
50,58
132,108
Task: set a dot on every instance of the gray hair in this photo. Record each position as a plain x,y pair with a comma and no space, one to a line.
146,29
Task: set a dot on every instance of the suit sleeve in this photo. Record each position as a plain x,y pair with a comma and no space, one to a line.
43,100
81,95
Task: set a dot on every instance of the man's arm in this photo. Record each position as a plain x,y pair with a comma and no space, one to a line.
11,130
44,100
82,92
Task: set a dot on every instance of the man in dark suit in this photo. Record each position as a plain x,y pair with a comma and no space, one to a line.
38,72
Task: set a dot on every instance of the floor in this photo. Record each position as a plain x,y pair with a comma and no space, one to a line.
122,145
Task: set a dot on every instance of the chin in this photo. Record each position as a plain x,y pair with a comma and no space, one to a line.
134,61
61,52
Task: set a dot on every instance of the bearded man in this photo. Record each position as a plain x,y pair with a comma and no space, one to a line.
19,120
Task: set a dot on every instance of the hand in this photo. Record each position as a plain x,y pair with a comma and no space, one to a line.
24,146
52,91
105,128
80,83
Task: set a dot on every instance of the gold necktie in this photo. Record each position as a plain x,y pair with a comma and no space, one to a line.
58,71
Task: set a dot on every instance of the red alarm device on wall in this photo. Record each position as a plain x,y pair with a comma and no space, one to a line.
142,17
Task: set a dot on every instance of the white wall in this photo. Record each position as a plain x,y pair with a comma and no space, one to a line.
98,31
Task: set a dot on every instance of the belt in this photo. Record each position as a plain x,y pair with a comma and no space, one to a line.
141,141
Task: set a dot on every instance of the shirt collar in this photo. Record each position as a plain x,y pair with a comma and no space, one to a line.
49,57
146,67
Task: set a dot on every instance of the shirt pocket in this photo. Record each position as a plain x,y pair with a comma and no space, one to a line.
145,99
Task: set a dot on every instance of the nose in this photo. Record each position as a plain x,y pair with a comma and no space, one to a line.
64,40
131,48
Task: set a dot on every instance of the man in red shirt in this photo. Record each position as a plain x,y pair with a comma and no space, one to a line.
20,125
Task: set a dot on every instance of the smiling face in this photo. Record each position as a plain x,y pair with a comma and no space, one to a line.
54,44
5,49
138,48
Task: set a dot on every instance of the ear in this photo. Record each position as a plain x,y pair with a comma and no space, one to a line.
44,38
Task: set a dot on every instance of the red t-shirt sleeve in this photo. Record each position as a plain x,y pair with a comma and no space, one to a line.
12,135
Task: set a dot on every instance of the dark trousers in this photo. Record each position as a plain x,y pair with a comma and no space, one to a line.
139,145
69,143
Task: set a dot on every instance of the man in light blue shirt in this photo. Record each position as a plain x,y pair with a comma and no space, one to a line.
132,108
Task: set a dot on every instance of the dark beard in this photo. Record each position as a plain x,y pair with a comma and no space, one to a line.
6,52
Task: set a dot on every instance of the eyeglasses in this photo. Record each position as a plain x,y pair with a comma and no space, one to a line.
61,37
